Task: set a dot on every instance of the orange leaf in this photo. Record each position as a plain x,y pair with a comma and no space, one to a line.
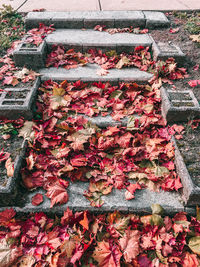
9,167
85,222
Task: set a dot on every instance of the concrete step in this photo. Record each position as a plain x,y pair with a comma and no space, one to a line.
85,19
170,201
88,73
82,40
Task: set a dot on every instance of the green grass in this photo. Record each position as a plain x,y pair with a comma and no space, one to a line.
11,27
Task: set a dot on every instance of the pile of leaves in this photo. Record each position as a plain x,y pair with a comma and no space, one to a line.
106,240
102,28
12,75
11,27
64,146
164,71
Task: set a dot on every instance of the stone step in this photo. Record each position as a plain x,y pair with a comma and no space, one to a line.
82,40
85,19
170,201
88,73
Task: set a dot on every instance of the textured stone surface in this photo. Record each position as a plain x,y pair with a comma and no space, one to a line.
88,74
9,191
61,5
114,201
103,40
12,107
149,5
164,51
178,108
78,20
31,57
190,192
156,19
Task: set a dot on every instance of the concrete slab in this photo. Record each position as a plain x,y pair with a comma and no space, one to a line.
86,19
88,74
149,5
156,19
125,42
60,5
170,201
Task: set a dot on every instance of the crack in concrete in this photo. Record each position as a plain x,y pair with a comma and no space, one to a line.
21,5
100,5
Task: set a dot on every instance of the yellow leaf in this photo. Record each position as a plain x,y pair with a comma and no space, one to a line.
123,61
195,38
26,130
194,244
58,91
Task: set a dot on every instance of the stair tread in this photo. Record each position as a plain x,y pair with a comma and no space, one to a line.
142,202
97,38
88,73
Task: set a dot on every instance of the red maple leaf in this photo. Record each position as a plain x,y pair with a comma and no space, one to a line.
130,244
57,193
37,199
107,255
7,215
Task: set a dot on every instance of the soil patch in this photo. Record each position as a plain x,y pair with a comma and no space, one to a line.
191,50
12,146
189,148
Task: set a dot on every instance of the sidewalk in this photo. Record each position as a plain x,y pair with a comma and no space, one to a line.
73,5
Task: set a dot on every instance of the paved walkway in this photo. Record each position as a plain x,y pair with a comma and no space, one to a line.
73,5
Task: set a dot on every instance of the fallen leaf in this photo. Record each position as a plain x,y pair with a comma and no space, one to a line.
37,199
195,38
194,83
194,244
102,72
9,167
105,256
26,131
175,30
129,244
57,193
85,222
124,61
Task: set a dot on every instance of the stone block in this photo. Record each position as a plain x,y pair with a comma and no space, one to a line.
163,51
17,102
9,188
170,201
179,106
89,20
88,73
125,19
95,39
30,56
156,20
190,191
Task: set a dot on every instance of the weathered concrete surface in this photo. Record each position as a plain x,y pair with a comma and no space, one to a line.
114,201
179,109
13,108
31,57
88,74
95,39
149,5
156,19
190,191
163,51
86,19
